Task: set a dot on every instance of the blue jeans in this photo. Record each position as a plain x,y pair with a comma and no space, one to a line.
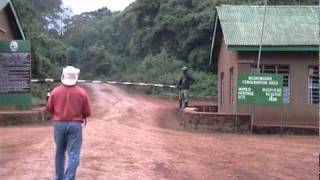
68,138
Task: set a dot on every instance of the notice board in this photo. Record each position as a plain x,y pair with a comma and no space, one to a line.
259,88
15,72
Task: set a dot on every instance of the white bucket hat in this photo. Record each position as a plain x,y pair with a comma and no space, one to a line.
70,75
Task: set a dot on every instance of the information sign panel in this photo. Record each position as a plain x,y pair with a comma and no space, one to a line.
15,72
259,88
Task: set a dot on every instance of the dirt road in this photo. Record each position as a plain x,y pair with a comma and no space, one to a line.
132,137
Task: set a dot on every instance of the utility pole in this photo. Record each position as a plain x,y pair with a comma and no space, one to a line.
262,33
259,57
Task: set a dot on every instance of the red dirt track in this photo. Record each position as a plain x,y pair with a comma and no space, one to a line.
133,137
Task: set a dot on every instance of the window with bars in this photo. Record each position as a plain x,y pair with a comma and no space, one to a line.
313,85
278,69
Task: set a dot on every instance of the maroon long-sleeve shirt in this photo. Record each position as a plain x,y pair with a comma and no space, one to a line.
68,103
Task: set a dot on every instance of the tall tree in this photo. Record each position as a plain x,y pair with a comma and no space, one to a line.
39,21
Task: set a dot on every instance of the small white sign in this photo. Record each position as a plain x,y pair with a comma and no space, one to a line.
245,61
13,46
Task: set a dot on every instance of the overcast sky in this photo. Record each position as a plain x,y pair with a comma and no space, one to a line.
79,6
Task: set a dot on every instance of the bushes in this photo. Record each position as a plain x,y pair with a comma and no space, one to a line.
204,84
164,69
39,93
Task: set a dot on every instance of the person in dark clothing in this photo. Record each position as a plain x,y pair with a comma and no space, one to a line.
184,84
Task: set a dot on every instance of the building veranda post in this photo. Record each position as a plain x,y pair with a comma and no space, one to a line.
290,48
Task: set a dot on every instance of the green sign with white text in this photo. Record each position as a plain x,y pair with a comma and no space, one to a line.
259,88
15,73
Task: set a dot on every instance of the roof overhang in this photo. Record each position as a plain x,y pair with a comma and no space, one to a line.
288,29
285,26
3,5
274,48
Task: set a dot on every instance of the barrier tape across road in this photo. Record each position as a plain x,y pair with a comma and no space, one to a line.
105,82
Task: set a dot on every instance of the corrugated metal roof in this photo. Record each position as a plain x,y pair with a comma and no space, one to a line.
285,25
3,4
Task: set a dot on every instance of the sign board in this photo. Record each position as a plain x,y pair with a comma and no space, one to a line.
259,88
246,61
15,72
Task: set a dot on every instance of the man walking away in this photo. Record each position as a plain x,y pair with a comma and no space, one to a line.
184,85
70,107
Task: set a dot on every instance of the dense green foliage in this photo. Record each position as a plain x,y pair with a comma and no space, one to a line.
147,42
40,20
117,40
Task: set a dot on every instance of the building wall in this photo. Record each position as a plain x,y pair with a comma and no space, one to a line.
227,60
298,111
5,25
211,121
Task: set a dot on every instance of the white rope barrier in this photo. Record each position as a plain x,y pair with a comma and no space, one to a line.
104,82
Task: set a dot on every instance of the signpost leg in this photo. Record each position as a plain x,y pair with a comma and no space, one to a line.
252,117
281,120
236,123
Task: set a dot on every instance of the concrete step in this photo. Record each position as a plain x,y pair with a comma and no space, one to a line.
15,117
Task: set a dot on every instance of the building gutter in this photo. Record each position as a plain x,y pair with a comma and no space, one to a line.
17,20
312,48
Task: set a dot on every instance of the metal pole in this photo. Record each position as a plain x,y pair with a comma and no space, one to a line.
213,35
252,117
281,120
236,101
262,33
259,56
